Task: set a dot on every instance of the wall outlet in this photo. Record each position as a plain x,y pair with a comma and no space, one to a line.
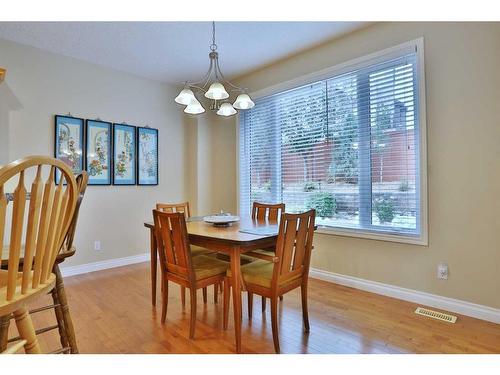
442,271
97,245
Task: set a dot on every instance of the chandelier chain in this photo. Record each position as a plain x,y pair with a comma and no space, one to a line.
213,47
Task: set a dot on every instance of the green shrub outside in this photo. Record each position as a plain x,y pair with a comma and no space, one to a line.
385,210
324,203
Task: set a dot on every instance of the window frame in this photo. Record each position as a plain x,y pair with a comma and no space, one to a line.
415,45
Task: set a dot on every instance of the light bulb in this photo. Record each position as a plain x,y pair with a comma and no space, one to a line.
216,91
195,107
226,109
185,97
243,101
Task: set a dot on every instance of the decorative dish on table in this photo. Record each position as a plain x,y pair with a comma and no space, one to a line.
223,219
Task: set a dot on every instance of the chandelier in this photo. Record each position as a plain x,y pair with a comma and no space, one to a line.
212,88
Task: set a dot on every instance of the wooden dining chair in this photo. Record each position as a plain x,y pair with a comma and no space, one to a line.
59,299
179,266
195,250
272,276
45,224
174,207
266,211
270,213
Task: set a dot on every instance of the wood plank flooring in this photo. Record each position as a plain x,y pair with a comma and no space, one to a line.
112,313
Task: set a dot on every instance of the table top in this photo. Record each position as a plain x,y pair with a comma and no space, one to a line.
231,234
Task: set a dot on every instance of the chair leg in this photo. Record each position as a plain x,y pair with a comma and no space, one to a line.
27,331
305,314
274,320
60,320
192,323
4,331
183,296
205,295
221,286
250,305
226,298
263,304
69,329
216,293
164,300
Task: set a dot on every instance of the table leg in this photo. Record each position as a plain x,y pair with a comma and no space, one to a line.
154,259
236,286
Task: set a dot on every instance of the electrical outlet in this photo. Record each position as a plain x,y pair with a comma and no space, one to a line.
97,245
442,271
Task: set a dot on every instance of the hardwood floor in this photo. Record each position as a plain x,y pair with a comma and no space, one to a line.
112,313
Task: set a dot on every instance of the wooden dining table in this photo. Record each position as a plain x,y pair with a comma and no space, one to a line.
243,236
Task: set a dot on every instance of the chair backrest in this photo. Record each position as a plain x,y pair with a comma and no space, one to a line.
271,212
173,244
294,245
81,185
46,222
174,207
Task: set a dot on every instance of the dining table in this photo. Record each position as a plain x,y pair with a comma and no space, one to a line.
236,239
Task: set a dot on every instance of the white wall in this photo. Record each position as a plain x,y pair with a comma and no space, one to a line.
46,84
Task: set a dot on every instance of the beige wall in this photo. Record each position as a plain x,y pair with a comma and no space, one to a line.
211,185
45,84
463,125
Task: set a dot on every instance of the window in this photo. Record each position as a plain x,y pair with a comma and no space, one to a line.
349,146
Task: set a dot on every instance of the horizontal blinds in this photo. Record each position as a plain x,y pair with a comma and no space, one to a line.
347,146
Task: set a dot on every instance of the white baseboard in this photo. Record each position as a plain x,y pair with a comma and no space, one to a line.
449,304
444,303
104,264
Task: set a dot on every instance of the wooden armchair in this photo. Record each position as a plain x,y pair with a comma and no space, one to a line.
49,215
287,270
179,266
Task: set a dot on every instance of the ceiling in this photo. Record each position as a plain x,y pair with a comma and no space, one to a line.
175,51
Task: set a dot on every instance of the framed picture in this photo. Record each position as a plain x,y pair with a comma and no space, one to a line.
147,156
124,149
98,152
68,142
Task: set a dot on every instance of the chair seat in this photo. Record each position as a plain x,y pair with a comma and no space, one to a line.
7,307
197,250
260,272
205,267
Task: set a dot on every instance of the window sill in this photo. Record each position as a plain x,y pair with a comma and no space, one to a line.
358,233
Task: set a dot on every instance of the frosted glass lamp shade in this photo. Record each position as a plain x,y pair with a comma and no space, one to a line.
243,101
226,109
194,108
185,97
216,91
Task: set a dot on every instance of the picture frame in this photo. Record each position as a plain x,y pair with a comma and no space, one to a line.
124,154
69,142
147,156
98,152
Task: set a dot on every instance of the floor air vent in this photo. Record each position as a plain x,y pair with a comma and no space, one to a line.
436,315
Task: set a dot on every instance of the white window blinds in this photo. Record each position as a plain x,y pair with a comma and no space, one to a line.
347,146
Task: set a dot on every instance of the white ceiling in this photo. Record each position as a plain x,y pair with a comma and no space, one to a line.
175,51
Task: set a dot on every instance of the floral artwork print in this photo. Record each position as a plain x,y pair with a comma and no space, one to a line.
148,156
124,154
125,158
98,152
69,142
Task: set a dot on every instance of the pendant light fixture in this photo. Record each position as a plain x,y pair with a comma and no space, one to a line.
212,87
